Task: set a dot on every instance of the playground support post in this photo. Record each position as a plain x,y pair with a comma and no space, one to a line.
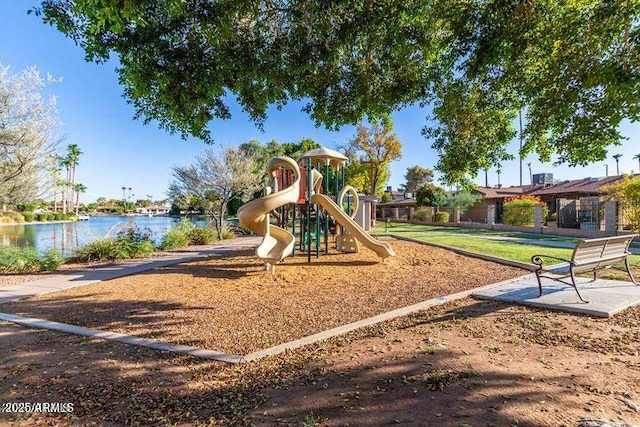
308,218
318,231
326,214
293,228
343,184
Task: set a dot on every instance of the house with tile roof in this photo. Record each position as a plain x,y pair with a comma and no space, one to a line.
577,203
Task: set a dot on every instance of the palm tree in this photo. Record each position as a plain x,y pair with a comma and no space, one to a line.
55,178
499,171
637,157
64,162
79,188
617,157
73,154
530,174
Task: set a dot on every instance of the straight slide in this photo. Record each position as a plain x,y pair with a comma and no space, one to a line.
382,249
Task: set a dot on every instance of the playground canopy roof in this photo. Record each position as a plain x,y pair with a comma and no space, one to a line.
325,156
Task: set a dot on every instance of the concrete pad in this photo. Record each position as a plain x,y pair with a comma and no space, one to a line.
606,297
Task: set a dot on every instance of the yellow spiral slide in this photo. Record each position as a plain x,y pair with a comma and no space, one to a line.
277,243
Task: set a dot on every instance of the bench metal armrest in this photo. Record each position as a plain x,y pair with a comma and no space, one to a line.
539,260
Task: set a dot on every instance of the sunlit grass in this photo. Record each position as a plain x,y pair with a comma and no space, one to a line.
507,250
514,251
398,227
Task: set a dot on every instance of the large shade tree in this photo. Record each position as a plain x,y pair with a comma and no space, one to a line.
573,67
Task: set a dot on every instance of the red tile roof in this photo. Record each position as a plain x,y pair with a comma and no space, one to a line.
577,186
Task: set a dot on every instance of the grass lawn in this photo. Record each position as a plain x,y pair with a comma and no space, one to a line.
398,227
507,250
504,249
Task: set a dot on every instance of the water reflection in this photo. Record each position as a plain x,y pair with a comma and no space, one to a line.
67,237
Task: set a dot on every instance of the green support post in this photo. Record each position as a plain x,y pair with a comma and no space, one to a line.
326,214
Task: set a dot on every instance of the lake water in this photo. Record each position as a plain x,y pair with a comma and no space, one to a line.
66,237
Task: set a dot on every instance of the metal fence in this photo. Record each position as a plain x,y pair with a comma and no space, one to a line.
587,217
477,214
629,216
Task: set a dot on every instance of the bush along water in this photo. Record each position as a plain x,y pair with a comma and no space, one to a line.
131,242
186,233
14,259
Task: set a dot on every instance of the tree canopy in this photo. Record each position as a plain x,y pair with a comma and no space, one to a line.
27,135
215,178
372,149
415,177
571,66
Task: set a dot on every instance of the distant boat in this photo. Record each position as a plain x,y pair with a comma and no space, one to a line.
83,217
150,215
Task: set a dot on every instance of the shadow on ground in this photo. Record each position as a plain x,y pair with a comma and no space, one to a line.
411,371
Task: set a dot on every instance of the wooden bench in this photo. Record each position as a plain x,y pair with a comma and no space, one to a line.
589,255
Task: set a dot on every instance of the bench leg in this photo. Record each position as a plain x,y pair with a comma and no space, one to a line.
595,275
539,282
633,279
573,281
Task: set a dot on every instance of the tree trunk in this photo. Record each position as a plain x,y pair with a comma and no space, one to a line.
71,187
55,198
77,203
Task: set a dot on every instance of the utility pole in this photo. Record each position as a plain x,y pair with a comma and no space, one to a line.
520,152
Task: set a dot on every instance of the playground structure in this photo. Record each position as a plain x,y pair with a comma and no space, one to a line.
300,196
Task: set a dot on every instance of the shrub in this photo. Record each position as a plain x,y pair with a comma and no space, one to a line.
228,233
5,220
520,210
442,217
13,216
423,215
18,260
58,216
27,207
41,216
100,250
135,242
50,260
178,236
28,216
131,242
200,235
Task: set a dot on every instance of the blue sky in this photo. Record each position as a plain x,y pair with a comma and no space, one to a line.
120,151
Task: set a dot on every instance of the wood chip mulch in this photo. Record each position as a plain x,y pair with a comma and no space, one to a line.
230,304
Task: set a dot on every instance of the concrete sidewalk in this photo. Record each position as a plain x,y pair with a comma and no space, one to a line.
71,280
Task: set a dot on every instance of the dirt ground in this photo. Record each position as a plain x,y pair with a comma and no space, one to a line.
230,304
464,363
